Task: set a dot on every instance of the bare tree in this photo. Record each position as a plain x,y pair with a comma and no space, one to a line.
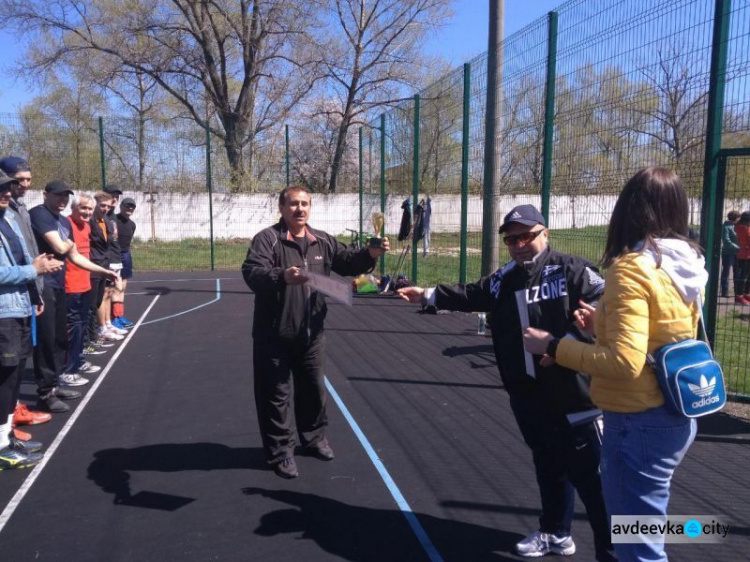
377,55
250,61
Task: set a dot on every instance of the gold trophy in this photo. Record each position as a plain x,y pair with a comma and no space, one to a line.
378,220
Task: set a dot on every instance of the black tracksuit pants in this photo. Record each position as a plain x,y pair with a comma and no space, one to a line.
565,458
288,371
51,340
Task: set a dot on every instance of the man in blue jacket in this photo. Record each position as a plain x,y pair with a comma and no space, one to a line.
18,296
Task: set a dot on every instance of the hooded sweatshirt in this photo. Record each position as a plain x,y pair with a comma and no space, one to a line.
644,307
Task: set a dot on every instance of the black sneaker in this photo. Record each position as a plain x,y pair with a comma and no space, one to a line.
52,403
66,393
286,468
24,446
321,450
11,458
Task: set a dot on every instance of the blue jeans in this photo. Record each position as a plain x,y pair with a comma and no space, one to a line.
640,452
728,262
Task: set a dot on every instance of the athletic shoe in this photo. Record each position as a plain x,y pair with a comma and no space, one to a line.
101,344
118,331
25,446
117,323
88,369
22,435
125,322
72,379
66,393
540,544
10,459
286,468
108,335
53,403
23,416
91,350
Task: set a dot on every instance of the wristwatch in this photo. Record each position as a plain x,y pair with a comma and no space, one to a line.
552,347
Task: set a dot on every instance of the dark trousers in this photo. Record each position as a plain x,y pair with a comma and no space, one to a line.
51,340
742,281
286,371
79,306
728,262
565,458
15,347
95,299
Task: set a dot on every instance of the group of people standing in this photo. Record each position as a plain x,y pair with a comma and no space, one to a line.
61,306
588,337
735,256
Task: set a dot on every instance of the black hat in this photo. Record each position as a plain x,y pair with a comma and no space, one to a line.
59,187
523,214
127,202
5,181
11,165
112,189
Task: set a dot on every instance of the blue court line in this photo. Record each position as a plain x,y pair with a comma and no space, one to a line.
419,531
217,299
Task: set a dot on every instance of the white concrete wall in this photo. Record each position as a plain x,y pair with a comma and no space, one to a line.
180,216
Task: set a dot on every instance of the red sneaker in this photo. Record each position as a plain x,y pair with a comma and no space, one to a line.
741,300
23,416
21,435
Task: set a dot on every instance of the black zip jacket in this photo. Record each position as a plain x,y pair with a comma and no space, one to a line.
553,285
295,311
100,246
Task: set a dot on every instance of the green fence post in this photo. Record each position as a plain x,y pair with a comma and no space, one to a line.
382,183
286,152
715,111
361,189
549,113
415,186
465,174
209,187
101,153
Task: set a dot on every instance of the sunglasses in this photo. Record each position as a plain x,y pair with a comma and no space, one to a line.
526,237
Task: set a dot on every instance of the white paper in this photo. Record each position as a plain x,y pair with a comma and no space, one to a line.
337,290
523,314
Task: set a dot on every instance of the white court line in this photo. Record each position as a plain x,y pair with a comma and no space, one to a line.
398,497
26,486
216,299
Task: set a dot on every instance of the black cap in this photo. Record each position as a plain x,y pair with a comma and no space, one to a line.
5,181
59,187
127,202
112,189
11,165
523,214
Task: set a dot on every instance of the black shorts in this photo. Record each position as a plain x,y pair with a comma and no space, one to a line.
15,340
127,265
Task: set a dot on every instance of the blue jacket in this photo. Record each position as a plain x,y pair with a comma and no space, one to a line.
15,301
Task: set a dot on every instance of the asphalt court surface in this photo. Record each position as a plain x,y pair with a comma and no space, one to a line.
161,460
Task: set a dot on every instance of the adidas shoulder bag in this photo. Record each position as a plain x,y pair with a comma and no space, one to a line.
690,377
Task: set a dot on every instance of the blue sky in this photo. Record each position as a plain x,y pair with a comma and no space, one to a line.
458,41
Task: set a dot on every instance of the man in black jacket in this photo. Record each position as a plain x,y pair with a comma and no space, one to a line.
288,336
550,286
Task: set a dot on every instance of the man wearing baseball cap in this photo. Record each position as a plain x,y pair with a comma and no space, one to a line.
116,292
19,170
542,287
54,236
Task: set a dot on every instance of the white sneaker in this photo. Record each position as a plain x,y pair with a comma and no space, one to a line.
540,544
71,379
88,368
117,331
106,335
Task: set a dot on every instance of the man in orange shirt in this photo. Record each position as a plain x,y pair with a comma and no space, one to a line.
78,294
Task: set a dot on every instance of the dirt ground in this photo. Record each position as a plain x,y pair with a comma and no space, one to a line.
738,410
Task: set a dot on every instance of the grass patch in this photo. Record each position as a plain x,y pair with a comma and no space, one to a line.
732,348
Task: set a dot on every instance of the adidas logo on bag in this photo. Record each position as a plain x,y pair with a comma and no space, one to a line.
705,388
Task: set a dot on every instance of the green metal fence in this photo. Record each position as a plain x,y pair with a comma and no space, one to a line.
589,94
